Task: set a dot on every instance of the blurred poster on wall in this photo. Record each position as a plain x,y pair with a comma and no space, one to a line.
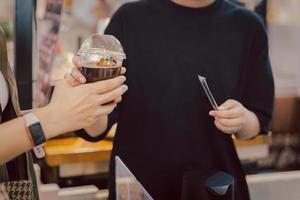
47,37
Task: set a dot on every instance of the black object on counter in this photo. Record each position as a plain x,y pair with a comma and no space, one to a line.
197,186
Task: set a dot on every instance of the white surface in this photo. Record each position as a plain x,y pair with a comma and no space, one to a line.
284,52
82,169
275,186
53,192
76,191
48,192
253,152
4,94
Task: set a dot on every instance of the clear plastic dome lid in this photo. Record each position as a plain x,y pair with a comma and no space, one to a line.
98,47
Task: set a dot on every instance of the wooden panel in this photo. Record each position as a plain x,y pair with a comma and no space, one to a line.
76,150
285,119
259,140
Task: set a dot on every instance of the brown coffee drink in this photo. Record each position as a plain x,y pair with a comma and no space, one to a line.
101,57
93,71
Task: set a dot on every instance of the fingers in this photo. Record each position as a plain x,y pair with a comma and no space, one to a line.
123,70
228,110
76,61
229,104
230,118
105,86
231,122
71,81
77,76
112,95
228,130
227,114
118,100
105,109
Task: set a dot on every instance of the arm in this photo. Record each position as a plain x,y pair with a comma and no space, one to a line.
71,108
102,123
76,78
98,130
15,139
234,118
252,114
251,126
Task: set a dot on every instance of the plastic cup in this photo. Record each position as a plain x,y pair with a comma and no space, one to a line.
101,57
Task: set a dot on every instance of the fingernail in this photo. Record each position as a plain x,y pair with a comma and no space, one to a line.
123,78
81,79
211,113
124,88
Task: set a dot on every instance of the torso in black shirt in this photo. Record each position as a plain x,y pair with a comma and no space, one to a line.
163,124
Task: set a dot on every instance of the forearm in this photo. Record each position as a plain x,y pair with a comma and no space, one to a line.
251,127
13,139
97,128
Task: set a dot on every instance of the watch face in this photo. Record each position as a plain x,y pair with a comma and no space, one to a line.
37,134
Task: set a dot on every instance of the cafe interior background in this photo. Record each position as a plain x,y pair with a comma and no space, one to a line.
76,169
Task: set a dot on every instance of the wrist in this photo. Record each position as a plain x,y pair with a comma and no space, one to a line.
98,127
49,121
250,126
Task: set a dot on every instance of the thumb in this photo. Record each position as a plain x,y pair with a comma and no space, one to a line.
76,61
227,105
77,76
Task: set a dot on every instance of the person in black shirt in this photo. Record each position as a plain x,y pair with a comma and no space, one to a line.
165,122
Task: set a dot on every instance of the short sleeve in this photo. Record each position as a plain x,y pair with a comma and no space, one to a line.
258,85
115,28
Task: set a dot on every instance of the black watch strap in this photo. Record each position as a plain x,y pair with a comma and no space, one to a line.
37,134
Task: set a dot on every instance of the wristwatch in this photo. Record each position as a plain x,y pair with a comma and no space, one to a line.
37,134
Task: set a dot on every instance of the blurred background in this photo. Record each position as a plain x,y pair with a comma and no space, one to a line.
76,169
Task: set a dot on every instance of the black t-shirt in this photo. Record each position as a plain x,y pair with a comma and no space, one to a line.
163,124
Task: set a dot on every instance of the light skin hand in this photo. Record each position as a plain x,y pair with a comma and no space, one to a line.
76,78
70,109
85,105
233,118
